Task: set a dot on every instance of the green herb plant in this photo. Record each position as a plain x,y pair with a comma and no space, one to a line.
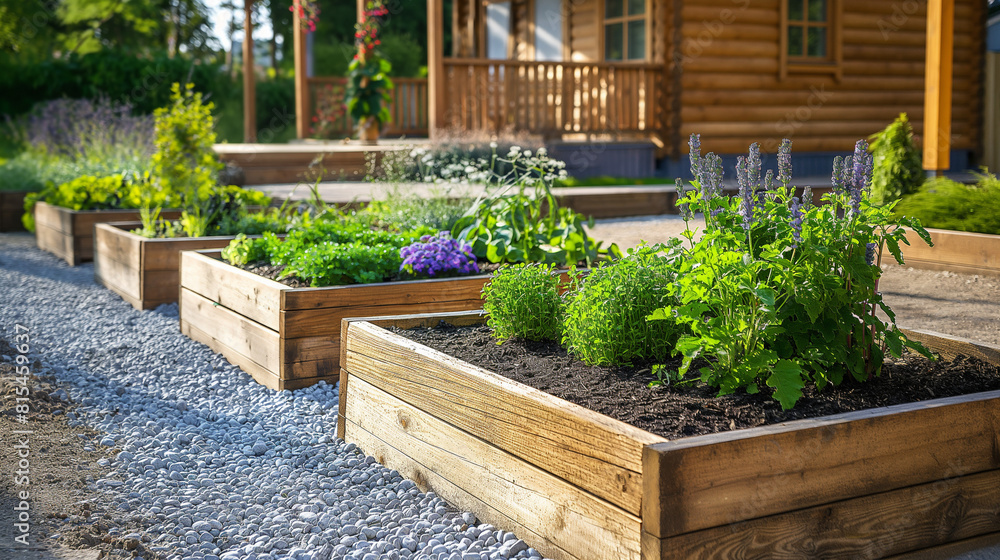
605,317
780,292
946,204
523,302
898,170
518,219
88,192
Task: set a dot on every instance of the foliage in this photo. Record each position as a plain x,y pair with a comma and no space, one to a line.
519,220
226,210
184,161
329,112
780,292
368,82
605,317
523,302
89,192
308,11
945,204
898,169
328,253
467,156
438,256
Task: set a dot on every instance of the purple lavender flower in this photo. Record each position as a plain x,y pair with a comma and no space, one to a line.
796,222
753,166
694,154
746,192
870,254
838,175
807,198
439,255
710,179
863,164
683,207
785,162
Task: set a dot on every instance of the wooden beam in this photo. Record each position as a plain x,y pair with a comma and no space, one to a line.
937,85
361,11
301,74
249,91
435,67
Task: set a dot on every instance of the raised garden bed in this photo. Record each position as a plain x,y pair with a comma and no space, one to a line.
956,251
288,338
144,272
578,484
11,209
69,234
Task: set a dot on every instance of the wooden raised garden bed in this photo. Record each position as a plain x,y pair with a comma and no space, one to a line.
288,338
143,271
956,251
578,484
69,234
11,210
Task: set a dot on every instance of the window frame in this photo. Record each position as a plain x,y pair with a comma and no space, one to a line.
832,63
602,23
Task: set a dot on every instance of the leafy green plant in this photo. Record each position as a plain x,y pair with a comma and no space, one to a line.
523,302
519,219
368,82
605,317
897,165
945,204
184,160
118,191
779,292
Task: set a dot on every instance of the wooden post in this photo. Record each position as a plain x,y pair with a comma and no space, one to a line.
937,85
301,74
361,11
435,68
249,87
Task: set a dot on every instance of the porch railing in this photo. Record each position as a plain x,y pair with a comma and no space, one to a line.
553,98
408,106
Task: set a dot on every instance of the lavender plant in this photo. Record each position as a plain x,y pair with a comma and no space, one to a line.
438,256
780,293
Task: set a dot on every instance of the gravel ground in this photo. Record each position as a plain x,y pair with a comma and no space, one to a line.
207,463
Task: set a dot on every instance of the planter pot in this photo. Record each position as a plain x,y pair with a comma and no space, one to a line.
143,271
288,338
957,251
578,484
69,234
11,210
368,131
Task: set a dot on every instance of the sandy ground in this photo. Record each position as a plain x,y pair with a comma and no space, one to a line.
962,305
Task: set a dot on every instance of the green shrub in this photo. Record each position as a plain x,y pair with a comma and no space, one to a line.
945,204
897,164
605,321
523,302
95,193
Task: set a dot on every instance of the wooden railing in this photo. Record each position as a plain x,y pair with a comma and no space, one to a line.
553,98
408,106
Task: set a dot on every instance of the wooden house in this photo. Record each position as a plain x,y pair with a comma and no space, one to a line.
824,73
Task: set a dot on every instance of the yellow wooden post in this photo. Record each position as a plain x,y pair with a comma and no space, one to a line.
435,68
249,92
937,85
361,11
301,85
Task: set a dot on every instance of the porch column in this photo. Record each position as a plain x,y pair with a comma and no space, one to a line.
435,68
937,85
361,11
249,91
301,73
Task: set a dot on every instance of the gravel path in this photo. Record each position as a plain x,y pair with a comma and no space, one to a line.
216,465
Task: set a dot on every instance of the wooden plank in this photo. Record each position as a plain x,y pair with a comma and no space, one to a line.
159,286
710,481
950,508
236,290
557,518
55,242
585,448
326,321
248,338
116,243
938,84
259,373
949,346
118,277
958,250
953,549
442,289
313,356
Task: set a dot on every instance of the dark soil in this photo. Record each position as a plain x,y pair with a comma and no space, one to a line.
273,272
690,410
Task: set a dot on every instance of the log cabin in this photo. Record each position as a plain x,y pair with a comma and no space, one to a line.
639,76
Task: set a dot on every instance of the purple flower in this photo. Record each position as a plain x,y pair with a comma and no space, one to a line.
796,222
694,154
753,166
683,207
438,256
870,254
863,163
746,192
785,162
838,175
807,198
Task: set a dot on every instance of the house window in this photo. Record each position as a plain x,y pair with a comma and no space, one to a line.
498,30
808,30
624,29
548,30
